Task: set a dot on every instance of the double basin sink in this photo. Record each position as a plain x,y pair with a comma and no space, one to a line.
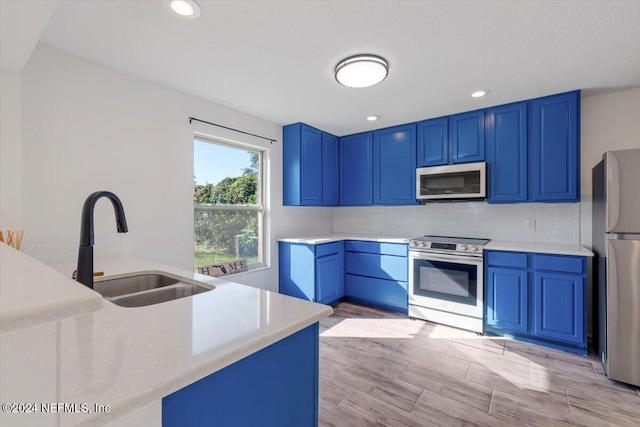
141,289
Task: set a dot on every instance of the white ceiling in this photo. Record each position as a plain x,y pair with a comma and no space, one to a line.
275,60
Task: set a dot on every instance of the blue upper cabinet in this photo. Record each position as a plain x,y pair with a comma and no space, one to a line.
330,167
554,148
356,169
466,137
394,164
433,142
305,169
507,153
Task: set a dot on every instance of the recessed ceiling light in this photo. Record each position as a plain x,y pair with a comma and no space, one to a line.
373,118
479,93
188,9
362,70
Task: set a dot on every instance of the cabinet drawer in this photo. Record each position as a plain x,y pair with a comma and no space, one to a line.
328,249
379,266
398,249
561,263
377,291
507,259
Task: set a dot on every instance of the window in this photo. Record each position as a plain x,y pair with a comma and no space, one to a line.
228,196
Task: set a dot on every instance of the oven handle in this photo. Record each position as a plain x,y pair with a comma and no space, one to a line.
461,259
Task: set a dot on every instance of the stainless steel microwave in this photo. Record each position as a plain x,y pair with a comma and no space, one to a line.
452,182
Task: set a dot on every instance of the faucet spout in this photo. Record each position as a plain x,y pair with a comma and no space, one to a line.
87,240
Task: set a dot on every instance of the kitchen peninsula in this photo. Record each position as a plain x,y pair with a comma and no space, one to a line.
165,363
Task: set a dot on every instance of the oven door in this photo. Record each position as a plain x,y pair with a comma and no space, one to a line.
447,282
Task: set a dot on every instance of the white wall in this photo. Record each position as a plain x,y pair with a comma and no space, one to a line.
10,151
608,122
87,127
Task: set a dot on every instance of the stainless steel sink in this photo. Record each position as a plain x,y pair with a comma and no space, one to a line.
142,289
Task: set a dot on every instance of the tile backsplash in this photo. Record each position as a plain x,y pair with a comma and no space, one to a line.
554,223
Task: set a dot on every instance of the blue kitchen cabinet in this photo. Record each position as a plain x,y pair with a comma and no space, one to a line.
466,137
377,274
559,301
554,156
330,170
312,272
274,387
330,278
394,164
356,169
507,298
538,298
507,153
433,142
309,178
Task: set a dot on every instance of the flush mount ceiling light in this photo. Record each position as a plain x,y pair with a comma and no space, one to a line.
373,118
479,93
187,9
362,70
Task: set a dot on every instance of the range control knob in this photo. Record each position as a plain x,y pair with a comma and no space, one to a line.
463,247
474,248
423,244
414,243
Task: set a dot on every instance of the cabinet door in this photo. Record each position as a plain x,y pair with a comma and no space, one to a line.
329,278
394,166
301,165
356,169
507,153
466,137
296,270
554,129
507,298
330,188
433,142
311,166
559,307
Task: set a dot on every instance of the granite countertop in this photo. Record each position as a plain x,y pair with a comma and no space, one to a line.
125,357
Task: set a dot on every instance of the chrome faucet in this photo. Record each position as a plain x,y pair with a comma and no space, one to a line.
84,273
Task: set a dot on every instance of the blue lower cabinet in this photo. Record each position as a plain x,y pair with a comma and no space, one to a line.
559,301
388,294
373,265
330,278
507,298
275,387
370,273
312,272
542,300
377,274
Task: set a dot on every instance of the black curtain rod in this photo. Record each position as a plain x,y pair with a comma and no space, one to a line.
192,119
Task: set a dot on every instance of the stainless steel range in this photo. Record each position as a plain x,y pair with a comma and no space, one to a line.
446,281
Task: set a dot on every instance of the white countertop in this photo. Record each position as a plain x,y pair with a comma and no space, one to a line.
549,248
32,293
545,248
316,240
128,357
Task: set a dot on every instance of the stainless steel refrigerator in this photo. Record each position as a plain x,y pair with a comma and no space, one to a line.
616,244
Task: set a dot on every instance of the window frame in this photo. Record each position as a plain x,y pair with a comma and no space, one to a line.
259,207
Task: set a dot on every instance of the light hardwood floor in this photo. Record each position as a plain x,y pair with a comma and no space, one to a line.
382,369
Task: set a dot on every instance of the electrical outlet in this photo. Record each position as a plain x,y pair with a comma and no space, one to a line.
530,224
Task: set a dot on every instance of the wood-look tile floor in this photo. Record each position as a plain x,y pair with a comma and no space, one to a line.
382,369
